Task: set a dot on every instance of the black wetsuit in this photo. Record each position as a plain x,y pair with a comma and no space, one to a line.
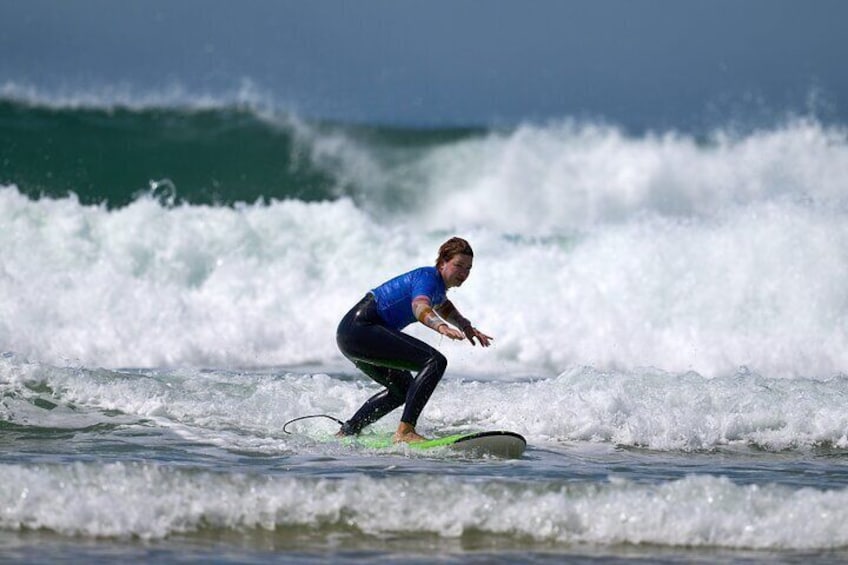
389,357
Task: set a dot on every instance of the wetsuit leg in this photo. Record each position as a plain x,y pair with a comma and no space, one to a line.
397,384
388,356
423,386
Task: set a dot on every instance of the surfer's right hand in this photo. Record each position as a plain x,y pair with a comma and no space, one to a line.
450,332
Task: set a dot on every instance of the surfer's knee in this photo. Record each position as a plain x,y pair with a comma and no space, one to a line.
438,363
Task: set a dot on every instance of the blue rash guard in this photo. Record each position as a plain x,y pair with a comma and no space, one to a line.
394,297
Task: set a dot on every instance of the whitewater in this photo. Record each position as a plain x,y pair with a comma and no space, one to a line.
597,248
669,314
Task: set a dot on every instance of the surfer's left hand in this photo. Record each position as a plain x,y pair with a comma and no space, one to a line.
472,332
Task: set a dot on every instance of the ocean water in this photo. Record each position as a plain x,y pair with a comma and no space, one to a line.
669,312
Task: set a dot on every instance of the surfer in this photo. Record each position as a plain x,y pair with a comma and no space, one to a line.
370,336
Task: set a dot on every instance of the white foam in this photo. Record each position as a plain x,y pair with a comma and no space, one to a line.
148,501
244,94
540,180
719,255
247,410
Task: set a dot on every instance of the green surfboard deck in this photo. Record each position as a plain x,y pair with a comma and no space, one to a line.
495,443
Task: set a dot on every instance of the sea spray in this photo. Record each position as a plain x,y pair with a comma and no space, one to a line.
759,285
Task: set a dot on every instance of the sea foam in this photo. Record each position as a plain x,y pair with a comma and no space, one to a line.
147,501
246,410
592,248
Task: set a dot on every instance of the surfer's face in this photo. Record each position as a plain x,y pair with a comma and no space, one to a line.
456,270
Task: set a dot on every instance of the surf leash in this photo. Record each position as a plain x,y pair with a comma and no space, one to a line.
311,416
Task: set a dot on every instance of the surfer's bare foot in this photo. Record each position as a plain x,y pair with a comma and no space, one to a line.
406,433
410,437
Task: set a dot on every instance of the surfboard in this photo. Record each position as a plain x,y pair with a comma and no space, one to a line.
506,445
